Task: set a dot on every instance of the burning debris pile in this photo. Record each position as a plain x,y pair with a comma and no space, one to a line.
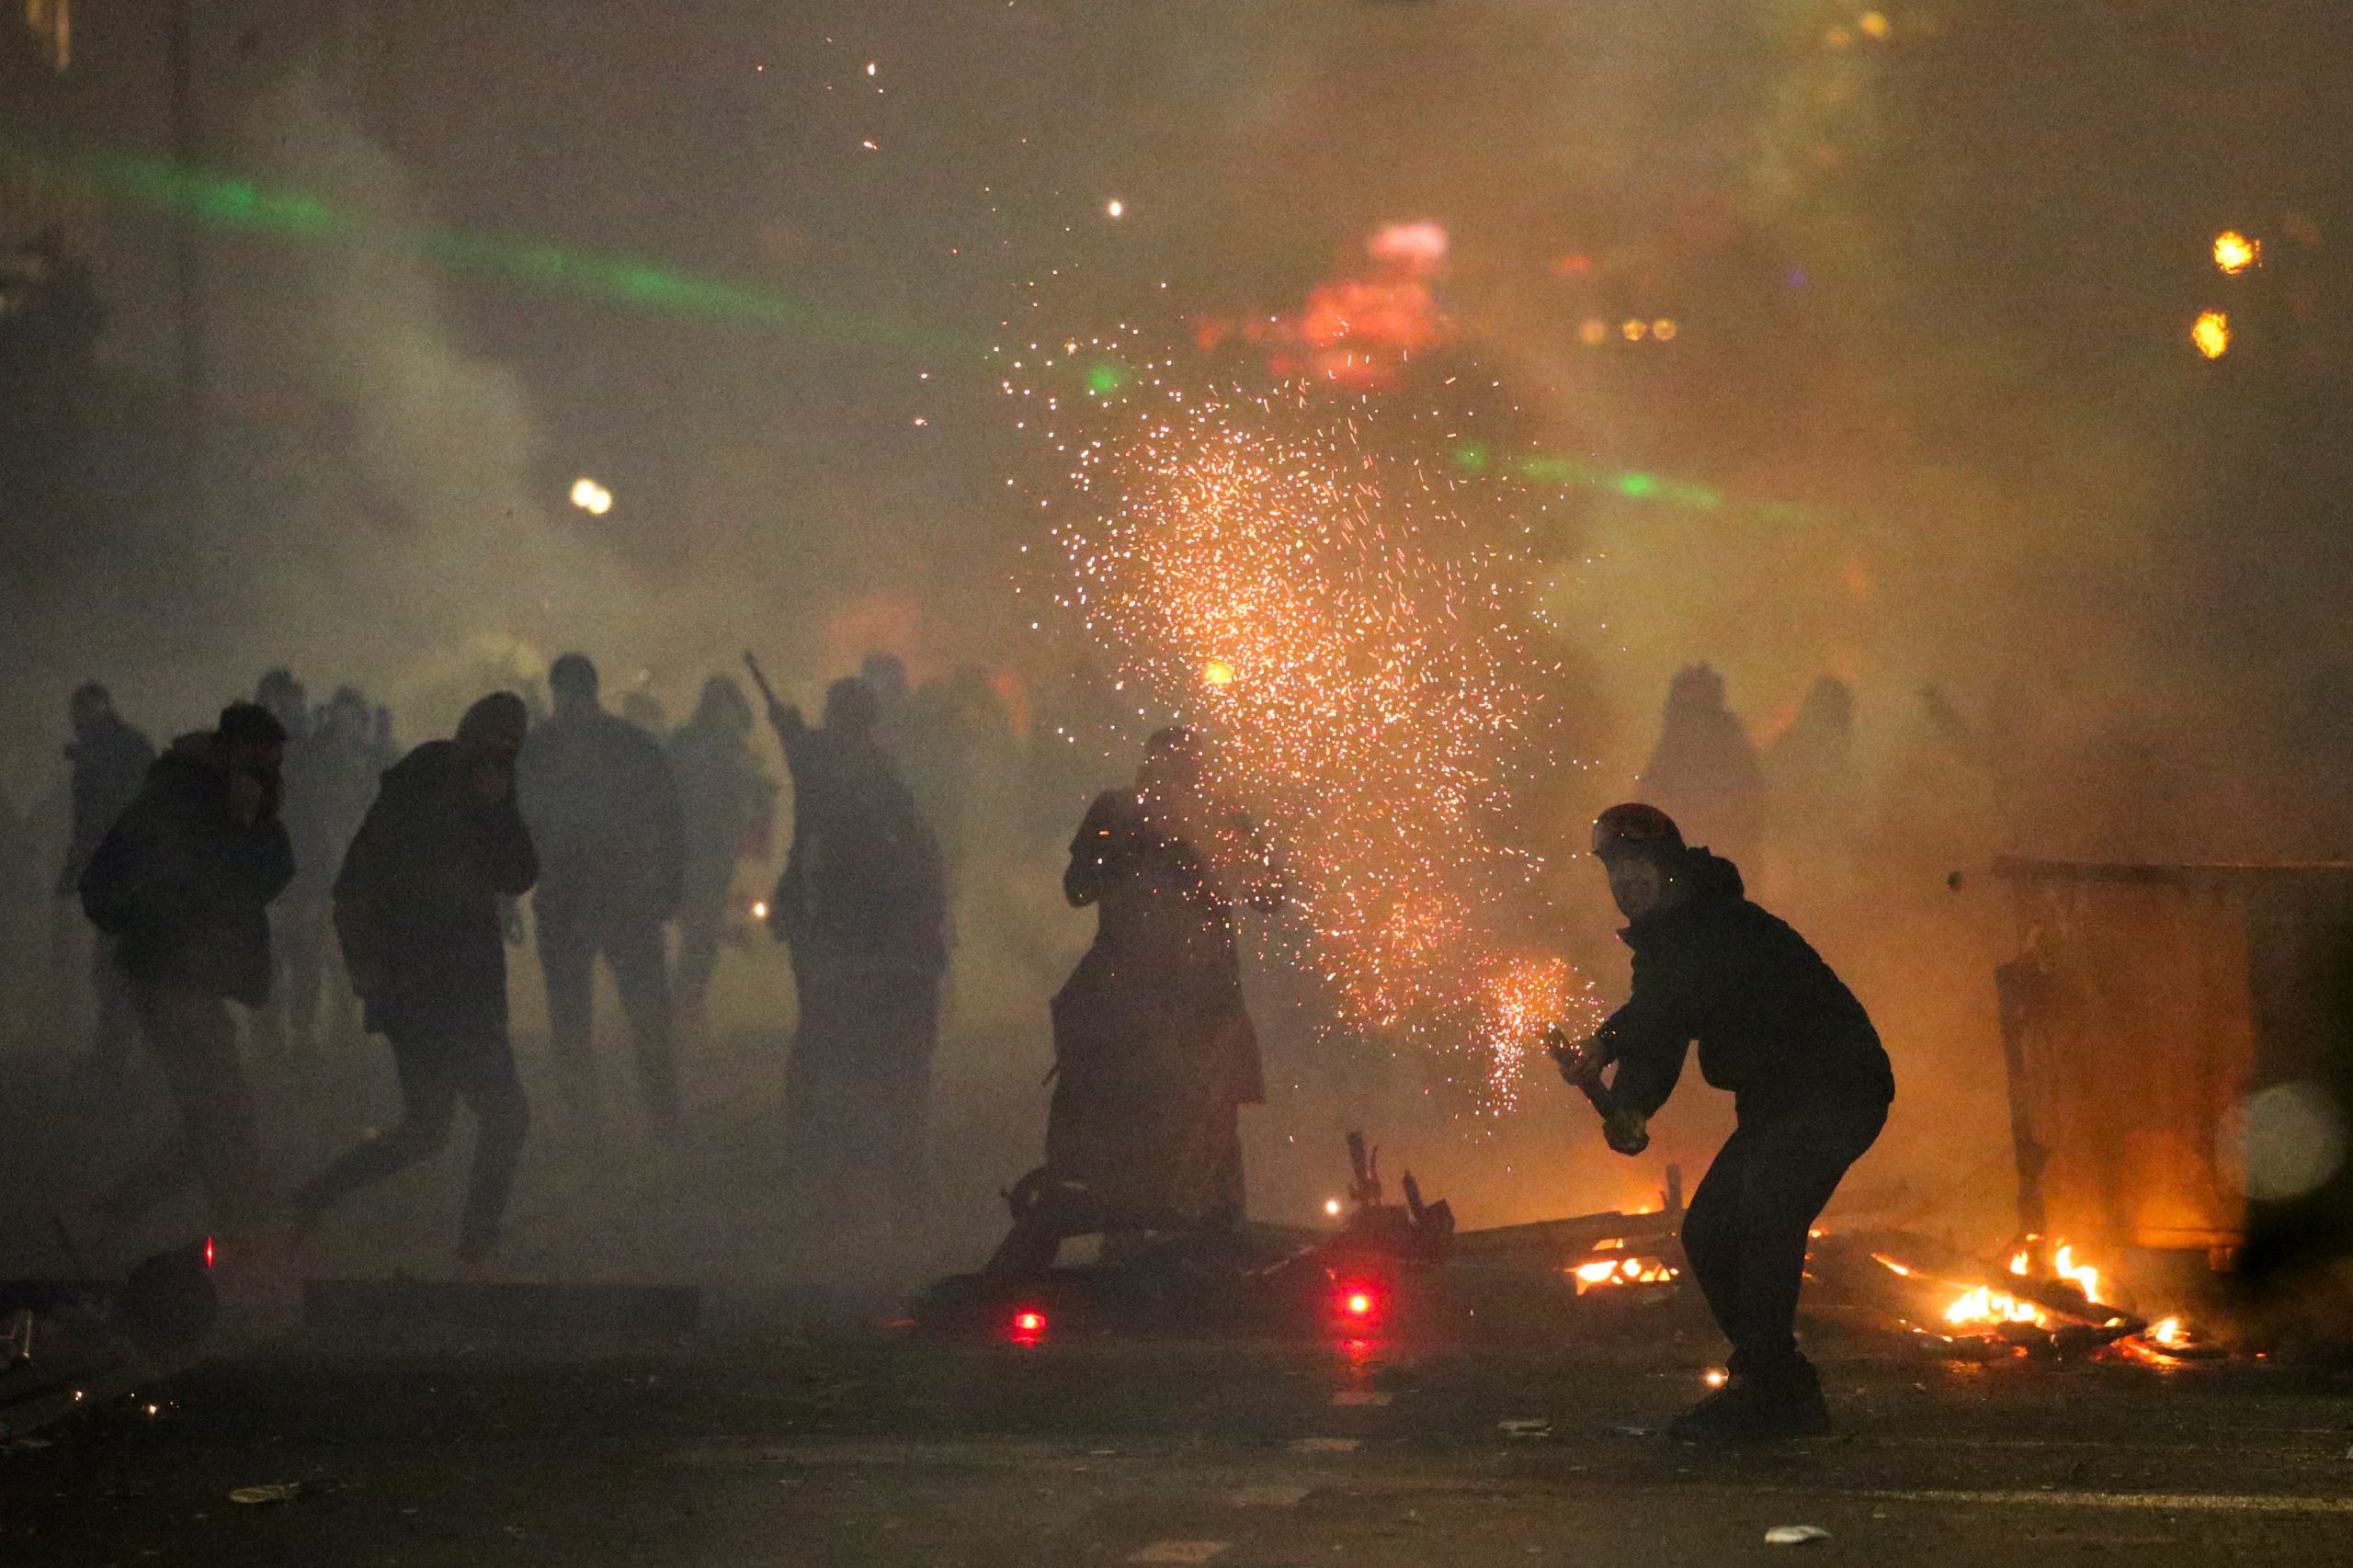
2044,1302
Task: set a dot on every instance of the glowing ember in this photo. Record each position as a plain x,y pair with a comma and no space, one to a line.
1717,1377
2235,252
591,497
1393,702
2211,333
1332,1206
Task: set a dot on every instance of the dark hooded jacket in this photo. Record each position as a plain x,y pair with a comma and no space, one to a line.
863,884
110,763
417,901
1775,1026
185,885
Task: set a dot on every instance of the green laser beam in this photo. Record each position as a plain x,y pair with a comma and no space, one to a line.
241,205
1635,484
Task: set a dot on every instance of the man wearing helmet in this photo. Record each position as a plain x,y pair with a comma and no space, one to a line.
1810,1082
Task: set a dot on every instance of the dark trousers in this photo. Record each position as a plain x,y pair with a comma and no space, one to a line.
701,926
118,1011
194,1041
570,937
298,937
857,1086
1745,1234
434,1075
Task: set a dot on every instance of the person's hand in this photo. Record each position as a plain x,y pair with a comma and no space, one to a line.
1580,1062
1627,1130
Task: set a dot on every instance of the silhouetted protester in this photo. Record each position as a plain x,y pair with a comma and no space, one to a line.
1155,1055
183,883
111,760
885,675
1810,1082
1816,794
1705,770
348,760
298,924
603,809
1940,806
730,808
863,909
416,907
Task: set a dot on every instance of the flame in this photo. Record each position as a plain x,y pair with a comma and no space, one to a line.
2235,252
1613,1272
1217,672
2086,1277
1986,1305
2170,1333
2017,1263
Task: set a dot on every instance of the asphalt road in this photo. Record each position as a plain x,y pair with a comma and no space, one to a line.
753,1445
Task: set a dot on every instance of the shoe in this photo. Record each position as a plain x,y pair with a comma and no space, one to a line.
1749,1409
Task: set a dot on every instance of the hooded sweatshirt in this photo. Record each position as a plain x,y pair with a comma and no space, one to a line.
186,886
417,900
1775,1026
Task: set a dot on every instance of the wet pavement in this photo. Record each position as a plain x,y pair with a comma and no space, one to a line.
754,1445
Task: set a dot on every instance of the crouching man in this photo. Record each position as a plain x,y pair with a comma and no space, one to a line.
1810,1082
416,910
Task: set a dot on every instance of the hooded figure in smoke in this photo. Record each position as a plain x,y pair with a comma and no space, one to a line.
1705,770
1810,1082
111,760
1155,1055
183,883
604,814
417,907
730,813
863,906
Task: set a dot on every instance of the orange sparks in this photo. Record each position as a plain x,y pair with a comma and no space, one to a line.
1392,706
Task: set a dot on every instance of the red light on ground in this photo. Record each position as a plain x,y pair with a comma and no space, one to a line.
207,1251
1029,1327
1358,1305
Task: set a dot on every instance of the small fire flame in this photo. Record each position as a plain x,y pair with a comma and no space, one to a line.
1985,1306
1611,1272
2170,1333
2085,1276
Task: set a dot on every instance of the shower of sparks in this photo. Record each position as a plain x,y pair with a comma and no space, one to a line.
1262,564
